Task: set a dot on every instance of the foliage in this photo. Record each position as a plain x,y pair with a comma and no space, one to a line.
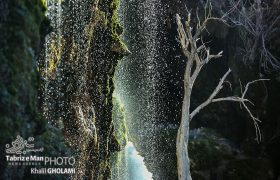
207,148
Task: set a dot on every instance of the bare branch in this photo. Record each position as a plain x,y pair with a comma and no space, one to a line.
241,100
203,25
209,56
184,41
212,96
232,98
260,22
189,46
200,63
250,83
201,47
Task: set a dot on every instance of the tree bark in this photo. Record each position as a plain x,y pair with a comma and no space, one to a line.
183,162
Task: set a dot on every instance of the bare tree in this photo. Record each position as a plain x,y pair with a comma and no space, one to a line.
259,21
198,55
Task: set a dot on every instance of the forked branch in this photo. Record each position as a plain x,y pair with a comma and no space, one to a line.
240,99
195,55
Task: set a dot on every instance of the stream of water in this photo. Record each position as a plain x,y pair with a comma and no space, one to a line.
137,84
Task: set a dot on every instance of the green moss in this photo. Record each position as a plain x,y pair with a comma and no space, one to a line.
97,40
112,20
54,55
119,122
115,26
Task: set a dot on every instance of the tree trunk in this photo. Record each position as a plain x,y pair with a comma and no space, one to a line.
183,162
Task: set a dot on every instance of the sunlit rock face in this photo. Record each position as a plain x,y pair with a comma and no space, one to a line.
80,59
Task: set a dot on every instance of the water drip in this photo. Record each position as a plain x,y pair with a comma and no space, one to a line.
138,83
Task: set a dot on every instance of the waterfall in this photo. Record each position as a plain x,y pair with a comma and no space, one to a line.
138,84
135,164
127,164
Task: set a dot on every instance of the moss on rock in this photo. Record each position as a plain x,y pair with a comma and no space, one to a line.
119,123
81,89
